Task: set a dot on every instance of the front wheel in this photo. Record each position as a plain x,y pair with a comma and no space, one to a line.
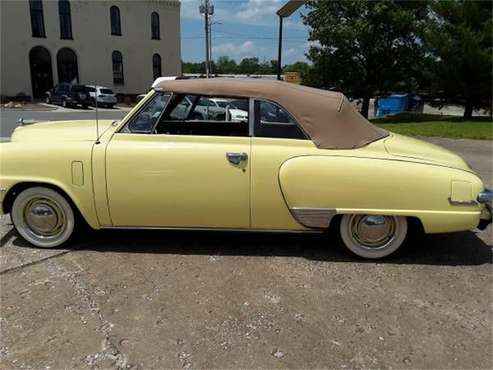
43,217
373,236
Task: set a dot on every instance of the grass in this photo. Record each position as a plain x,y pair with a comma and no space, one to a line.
419,124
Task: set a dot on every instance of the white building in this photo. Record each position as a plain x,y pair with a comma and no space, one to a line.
121,44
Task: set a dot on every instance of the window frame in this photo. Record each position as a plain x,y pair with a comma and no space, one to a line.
253,117
155,27
117,81
65,18
36,12
194,104
115,21
159,65
142,108
273,126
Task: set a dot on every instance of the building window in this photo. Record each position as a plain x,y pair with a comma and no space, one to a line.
116,27
65,19
68,70
117,67
37,19
155,26
156,65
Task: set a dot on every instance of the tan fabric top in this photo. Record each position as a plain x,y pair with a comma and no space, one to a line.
327,117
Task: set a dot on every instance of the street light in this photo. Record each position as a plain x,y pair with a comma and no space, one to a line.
289,8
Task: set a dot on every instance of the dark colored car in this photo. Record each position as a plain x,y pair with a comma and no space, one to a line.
69,95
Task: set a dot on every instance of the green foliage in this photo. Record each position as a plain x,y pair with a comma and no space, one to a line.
414,117
248,66
419,124
364,48
450,129
459,40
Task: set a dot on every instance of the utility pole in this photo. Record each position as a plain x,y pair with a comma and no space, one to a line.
207,9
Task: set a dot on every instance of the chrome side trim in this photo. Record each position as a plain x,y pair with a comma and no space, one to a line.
462,202
314,217
485,197
210,229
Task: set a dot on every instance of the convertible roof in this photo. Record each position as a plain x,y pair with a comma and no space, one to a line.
327,117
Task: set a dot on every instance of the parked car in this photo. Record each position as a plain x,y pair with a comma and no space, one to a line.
305,161
103,96
68,95
237,114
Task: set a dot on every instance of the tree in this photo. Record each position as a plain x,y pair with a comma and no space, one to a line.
459,41
226,65
248,66
364,47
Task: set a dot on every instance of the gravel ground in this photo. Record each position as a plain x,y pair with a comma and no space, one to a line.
142,299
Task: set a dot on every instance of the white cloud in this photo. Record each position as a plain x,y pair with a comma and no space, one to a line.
289,52
235,50
190,9
257,11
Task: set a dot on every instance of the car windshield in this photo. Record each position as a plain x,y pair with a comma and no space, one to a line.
106,91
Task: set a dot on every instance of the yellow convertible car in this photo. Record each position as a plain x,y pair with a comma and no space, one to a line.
236,154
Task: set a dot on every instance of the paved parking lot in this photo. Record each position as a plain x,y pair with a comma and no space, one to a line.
162,299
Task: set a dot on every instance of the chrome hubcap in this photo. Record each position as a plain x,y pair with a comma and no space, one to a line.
44,218
373,231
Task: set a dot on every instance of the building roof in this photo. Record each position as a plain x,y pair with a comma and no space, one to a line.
327,117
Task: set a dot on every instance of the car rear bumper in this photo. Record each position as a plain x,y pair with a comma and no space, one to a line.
485,197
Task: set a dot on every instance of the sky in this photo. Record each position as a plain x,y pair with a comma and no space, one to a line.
243,28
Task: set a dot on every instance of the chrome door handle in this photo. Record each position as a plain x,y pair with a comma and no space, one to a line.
236,158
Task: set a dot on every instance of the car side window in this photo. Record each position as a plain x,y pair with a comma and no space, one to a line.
146,119
200,115
273,121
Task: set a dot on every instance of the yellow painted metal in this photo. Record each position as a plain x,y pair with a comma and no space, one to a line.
49,161
77,173
177,181
186,181
381,186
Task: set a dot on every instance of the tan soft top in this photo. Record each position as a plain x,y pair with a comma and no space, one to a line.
327,117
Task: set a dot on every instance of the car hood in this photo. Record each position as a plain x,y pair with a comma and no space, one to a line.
61,130
401,146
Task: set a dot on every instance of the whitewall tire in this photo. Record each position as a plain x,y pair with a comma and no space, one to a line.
43,217
373,236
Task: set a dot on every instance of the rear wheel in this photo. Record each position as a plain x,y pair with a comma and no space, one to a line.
373,236
43,217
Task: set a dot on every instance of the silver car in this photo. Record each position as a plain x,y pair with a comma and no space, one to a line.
104,95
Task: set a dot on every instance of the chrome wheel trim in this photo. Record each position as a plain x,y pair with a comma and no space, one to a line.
371,236
44,218
373,231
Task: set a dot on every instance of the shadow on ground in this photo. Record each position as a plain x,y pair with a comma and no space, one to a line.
458,249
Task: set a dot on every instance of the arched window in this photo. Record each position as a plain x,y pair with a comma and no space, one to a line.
116,27
117,60
66,61
65,19
41,72
37,18
156,66
155,26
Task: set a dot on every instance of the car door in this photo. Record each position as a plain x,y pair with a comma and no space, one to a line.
164,170
277,138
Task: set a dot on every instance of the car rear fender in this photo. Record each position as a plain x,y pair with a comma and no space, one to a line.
316,188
